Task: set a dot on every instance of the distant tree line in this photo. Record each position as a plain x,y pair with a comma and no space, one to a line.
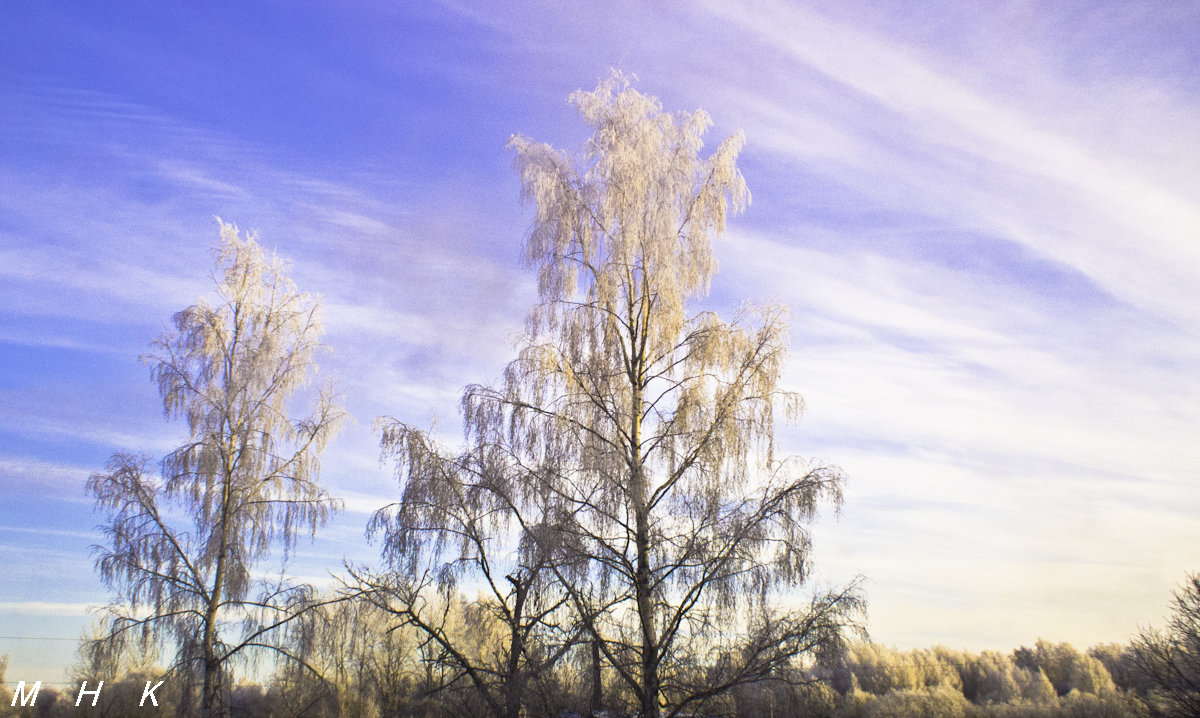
367,667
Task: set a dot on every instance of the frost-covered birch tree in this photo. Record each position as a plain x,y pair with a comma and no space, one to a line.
651,424
183,540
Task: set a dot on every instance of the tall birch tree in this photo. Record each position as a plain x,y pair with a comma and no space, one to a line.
679,525
182,542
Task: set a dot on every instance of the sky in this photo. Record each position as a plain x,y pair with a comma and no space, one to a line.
985,223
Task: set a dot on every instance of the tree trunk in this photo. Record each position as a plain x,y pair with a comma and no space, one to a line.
642,589
514,681
597,702
212,703
645,606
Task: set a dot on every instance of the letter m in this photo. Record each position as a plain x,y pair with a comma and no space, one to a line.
20,693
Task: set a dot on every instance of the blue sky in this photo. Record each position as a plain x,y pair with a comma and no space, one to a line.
985,222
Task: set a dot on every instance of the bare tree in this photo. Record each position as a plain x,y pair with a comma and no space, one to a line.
1169,659
182,544
652,429
471,518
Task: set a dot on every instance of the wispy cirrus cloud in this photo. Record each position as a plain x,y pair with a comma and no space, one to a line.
45,608
918,137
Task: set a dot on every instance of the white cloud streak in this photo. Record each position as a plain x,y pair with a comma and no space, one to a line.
45,608
961,155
